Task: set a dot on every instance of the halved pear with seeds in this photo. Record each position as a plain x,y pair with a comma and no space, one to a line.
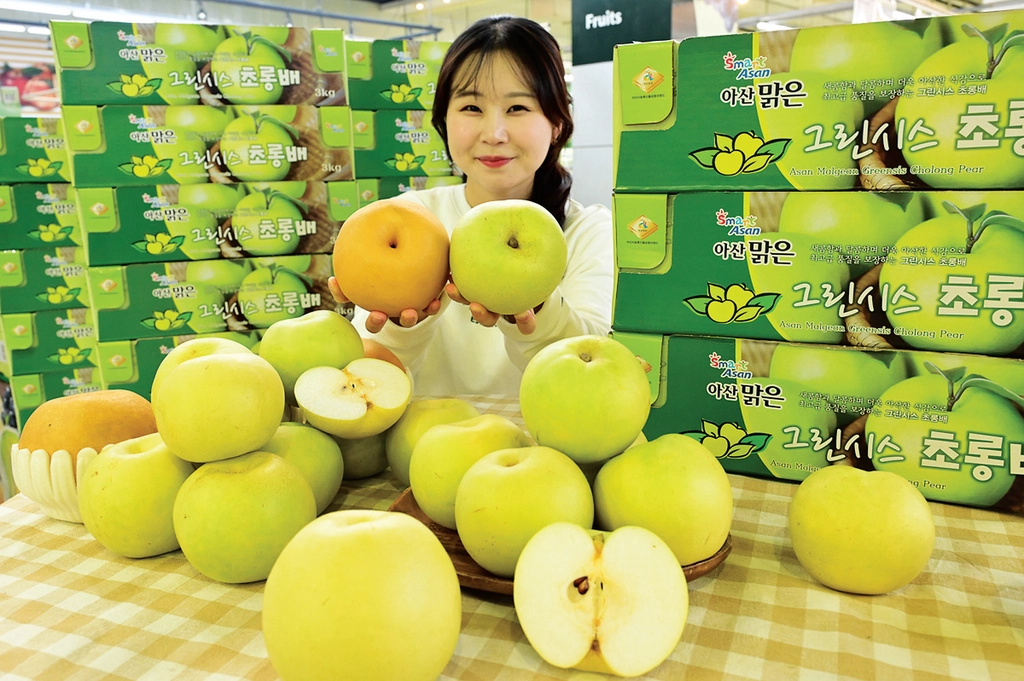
365,398
614,602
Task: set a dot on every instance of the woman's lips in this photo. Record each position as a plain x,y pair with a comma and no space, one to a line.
493,161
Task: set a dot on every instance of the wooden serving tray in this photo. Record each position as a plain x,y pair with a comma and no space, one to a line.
472,576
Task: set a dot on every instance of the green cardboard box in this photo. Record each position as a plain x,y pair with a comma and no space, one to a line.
206,296
35,215
122,145
393,74
33,150
926,270
929,103
784,410
31,390
38,342
372,189
397,144
43,279
132,364
162,223
8,438
107,62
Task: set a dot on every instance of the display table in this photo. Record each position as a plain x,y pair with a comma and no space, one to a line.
71,611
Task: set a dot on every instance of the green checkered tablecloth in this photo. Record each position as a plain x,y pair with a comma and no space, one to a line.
72,611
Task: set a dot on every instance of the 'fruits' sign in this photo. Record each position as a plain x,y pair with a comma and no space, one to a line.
216,65
929,103
951,424
925,270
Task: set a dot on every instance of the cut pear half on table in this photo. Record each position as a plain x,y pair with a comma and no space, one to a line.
611,602
365,398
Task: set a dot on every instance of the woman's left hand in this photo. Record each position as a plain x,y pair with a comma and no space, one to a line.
525,321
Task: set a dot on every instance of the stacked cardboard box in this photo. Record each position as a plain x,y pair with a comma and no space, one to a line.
391,86
46,335
820,248
213,169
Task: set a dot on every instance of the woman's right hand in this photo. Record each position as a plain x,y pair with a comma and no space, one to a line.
376,320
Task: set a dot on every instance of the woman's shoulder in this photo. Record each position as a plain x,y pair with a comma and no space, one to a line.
579,215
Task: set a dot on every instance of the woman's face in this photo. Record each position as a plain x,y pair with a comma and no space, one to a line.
497,133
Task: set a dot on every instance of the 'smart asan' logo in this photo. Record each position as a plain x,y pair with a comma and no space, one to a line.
747,69
739,225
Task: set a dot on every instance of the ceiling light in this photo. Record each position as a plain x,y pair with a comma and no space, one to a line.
99,14
11,28
39,30
772,26
742,2
35,7
419,5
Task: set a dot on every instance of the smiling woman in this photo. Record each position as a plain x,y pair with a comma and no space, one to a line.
503,110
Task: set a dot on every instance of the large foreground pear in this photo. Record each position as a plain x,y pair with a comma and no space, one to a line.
392,255
362,596
508,255
672,486
219,406
865,532
586,396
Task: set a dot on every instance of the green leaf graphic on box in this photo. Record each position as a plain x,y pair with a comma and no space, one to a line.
747,314
158,244
51,233
705,158
765,301
145,166
54,295
739,451
699,304
166,320
39,167
68,356
758,441
756,163
729,441
776,149
405,162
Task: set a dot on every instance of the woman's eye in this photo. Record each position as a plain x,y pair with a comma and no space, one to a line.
518,107
471,107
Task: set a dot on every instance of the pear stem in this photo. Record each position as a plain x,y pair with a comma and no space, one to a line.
953,396
972,238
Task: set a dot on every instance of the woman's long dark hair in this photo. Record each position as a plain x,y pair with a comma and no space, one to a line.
538,58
